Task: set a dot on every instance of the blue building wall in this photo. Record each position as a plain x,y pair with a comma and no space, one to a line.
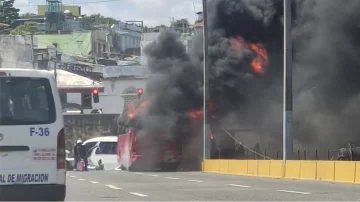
130,36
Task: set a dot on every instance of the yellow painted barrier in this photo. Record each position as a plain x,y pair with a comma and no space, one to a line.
224,166
215,166
338,171
233,167
357,173
325,170
252,167
308,170
242,167
292,169
276,167
206,166
264,168
345,171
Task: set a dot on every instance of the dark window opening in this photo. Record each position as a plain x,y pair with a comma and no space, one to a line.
86,100
63,98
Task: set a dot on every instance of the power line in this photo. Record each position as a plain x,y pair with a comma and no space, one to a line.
195,12
76,3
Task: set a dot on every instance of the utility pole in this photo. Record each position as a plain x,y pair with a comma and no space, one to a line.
172,24
32,51
287,85
55,66
108,36
55,62
206,131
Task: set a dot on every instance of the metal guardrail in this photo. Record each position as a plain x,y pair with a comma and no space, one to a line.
299,154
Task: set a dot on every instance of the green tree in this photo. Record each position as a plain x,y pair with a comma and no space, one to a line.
182,25
26,15
8,13
25,29
4,29
198,21
154,29
98,19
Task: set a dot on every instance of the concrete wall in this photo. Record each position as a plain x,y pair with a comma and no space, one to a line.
87,126
15,51
100,40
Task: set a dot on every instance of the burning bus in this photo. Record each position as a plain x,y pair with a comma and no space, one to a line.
140,150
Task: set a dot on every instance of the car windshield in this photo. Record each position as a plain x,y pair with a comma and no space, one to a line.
106,148
26,101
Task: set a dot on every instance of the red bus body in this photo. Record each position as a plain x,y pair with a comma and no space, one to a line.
147,152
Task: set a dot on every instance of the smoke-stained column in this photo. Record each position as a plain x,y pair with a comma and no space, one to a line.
287,83
206,130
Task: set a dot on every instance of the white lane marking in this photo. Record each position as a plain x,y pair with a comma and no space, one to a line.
195,181
294,192
93,182
172,178
238,185
153,175
113,187
138,194
82,179
139,173
72,176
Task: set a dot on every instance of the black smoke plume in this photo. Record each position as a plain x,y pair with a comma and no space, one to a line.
326,68
326,74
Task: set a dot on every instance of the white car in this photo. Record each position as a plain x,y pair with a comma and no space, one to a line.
104,149
32,138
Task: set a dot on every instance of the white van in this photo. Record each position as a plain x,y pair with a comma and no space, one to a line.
32,139
104,149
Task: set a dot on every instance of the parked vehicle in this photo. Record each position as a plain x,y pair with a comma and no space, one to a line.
32,138
104,149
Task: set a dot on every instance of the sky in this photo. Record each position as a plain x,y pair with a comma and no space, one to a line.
152,12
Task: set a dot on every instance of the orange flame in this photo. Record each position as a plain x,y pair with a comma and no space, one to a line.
133,109
198,114
261,60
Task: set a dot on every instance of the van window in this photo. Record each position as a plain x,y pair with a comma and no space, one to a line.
89,147
106,148
26,101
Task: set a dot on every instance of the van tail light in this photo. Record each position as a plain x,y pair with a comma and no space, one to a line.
61,154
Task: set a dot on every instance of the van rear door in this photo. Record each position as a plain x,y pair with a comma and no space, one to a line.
28,130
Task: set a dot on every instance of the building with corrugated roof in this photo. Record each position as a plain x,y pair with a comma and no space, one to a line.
75,91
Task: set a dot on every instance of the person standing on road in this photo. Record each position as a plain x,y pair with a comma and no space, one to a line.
83,155
76,154
80,153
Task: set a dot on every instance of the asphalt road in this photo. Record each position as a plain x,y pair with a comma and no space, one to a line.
197,186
